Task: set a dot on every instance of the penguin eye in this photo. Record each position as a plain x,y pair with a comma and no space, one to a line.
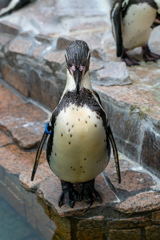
84,62
69,63
71,67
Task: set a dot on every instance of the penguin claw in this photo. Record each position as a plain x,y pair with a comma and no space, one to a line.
89,194
69,195
151,57
131,61
148,55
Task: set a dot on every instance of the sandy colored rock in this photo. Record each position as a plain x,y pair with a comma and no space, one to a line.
56,57
51,194
63,42
5,38
48,92
152,232
129,223
151,150
16,78
37,52
142,202
10,28
43,171
15,160
8,98
91,228
130,234
95,65
26,137
132,181
20,46
23,120
4,139
114,74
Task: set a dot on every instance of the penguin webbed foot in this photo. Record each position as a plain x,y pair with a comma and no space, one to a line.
89,194
129,61
148,55
69,195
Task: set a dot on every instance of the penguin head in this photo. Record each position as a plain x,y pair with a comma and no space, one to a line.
77,59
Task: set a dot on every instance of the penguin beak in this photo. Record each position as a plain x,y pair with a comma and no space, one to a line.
77,78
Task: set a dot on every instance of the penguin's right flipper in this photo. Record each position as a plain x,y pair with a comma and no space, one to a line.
39,151
117,21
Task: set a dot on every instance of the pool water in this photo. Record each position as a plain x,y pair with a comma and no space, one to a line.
13,226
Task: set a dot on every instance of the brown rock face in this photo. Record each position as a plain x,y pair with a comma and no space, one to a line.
16,78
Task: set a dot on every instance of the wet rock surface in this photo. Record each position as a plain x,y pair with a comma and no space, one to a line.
32,49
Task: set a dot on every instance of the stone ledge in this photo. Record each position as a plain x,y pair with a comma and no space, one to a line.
56,59
20,46
9,28
24,121
142,202
15,78
114,73
51,197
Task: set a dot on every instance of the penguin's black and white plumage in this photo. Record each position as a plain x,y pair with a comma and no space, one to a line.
78,147
7,6
132,23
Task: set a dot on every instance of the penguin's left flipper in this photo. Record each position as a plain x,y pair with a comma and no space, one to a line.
39,151
115,152
116,16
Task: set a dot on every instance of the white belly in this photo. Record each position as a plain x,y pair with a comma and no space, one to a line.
79,145
136,25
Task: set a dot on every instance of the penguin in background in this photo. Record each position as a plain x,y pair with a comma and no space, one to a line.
132,23
78,147
8,6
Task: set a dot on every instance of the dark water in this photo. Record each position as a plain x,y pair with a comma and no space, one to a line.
13,226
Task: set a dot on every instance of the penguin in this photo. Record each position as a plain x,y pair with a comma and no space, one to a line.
7,6
78,147
132,22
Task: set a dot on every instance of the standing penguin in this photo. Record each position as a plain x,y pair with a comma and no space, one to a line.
78,147
7,6
132,23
